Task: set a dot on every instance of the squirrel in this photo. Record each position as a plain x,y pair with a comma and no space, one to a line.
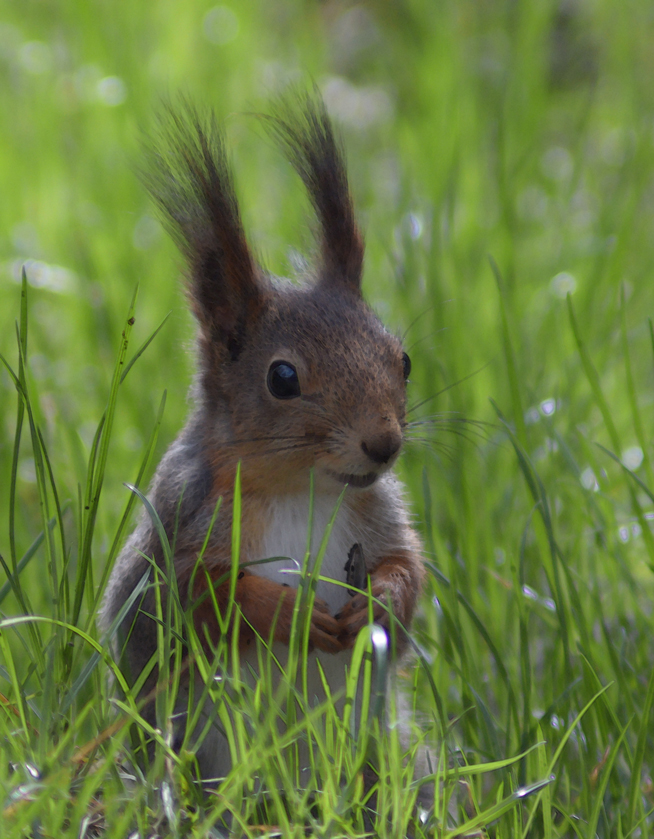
297,383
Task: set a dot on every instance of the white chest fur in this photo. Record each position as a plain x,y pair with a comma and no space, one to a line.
285,535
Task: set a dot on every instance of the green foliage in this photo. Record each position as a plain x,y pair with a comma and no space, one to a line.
519,131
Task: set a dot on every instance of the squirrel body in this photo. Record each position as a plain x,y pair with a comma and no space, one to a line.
299,386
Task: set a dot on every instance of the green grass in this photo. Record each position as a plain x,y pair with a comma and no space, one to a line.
523,132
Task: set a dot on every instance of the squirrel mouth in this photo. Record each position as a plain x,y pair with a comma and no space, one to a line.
358,481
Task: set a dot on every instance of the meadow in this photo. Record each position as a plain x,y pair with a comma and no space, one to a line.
501,156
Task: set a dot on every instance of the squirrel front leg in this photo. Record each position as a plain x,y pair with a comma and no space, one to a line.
265,605
396,582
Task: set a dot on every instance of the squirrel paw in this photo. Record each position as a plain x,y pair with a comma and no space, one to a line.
355,615
325,629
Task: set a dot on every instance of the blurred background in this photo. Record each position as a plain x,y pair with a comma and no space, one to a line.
523,132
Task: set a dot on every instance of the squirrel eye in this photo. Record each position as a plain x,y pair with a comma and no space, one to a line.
283,382
406,363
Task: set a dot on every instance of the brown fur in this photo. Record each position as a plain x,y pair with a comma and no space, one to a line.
265,606
346,426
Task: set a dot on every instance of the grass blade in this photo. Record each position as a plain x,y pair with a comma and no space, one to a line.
92,499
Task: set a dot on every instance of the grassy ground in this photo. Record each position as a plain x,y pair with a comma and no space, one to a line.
502,158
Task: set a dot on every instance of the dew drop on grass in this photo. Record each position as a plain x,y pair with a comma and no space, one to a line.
42,275
353,31
532,594
557,163
27,470
548,407
415,225
33,771
588,479
359,107
220,25
632,457
379,639
111,91
147,232
35,57
563,284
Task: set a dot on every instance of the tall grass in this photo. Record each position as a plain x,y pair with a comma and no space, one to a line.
522,132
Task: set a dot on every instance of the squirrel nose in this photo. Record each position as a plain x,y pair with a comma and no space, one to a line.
382,448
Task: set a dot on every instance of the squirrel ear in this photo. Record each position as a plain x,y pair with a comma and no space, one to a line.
302,128
188,175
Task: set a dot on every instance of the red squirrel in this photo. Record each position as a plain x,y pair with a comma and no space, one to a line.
293,381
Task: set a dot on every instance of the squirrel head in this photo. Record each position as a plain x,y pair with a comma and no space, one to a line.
291,377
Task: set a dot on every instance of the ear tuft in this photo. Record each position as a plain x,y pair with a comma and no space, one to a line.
187,173
300,125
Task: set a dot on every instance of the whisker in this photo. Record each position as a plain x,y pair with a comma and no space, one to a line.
431,441
459,432
451,418
472,428
435,446
445,389
273,444
415,321
425,338
265,437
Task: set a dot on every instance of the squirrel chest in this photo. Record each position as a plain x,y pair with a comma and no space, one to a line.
284,535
